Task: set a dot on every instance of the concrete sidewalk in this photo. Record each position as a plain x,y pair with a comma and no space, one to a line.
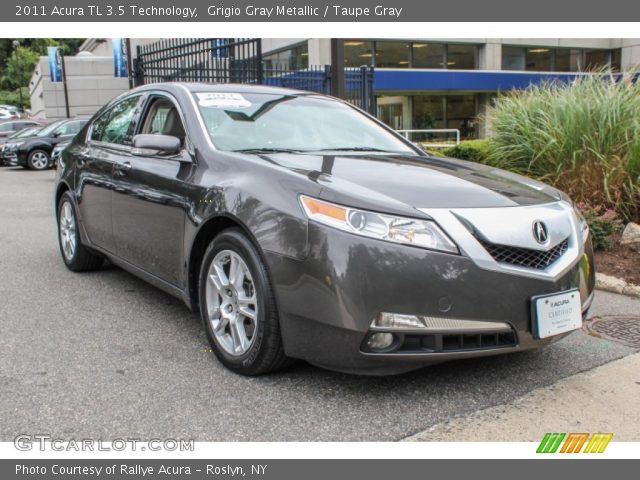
605,399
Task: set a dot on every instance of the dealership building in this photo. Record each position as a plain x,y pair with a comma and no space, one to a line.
419,83
425,83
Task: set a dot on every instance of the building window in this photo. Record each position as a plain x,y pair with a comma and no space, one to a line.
547,59
427,55
294,58
567,59
461,57
596,59
387,54
461,114
513,58
446,111
428,111
392,55
358,53
539,59
616,60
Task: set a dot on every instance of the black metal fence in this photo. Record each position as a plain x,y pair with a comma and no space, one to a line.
239,60
210,60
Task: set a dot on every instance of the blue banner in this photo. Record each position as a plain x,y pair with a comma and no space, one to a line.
55,63
120,59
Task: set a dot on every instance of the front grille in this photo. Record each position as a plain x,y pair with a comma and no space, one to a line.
525,257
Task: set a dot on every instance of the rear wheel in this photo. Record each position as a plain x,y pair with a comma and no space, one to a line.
38,160
75,255
238,307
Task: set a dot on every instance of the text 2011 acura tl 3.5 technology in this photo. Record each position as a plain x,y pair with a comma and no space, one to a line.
302,228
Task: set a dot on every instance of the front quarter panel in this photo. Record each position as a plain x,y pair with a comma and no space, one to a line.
262,198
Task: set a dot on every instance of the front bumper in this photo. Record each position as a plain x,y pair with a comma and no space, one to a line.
328,301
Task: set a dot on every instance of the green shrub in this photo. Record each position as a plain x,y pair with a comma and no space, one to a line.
472,150
583,138
603,223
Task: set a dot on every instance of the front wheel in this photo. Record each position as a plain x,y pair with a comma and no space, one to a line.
38,160
238,307
75,255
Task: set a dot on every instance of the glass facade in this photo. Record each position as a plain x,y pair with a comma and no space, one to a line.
446,111
358,53
396,54
392,54
548,59
428,55
293,58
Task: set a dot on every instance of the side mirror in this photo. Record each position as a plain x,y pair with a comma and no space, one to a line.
146,145
56,134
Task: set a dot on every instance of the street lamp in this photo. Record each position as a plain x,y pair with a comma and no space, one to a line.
16,44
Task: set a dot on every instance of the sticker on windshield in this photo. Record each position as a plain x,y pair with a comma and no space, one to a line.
222,100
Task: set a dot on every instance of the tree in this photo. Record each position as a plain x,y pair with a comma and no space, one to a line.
19,68
15,71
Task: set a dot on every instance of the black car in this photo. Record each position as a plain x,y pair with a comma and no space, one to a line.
300,227
10,144
35,153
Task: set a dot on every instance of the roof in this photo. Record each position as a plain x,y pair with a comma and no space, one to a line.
227,87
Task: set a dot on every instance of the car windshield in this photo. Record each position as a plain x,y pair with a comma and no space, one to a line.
49,129
255,122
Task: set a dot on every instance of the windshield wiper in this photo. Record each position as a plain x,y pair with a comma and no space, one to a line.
267,150
351,149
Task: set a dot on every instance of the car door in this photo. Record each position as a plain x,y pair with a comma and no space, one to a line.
149,201
108,140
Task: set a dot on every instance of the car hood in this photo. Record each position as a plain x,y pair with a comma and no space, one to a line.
415,181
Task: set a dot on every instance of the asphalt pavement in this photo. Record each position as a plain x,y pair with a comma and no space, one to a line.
104,355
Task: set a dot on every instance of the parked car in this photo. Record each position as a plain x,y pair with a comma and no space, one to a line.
8,127
301,227
10,144
35,153
9,114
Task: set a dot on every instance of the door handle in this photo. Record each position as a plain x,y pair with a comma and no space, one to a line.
123,167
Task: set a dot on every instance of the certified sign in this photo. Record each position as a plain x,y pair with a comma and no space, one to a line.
557,313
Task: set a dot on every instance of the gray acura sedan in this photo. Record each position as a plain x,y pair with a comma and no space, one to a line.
302,228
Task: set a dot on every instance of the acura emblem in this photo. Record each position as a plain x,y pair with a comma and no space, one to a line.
540,232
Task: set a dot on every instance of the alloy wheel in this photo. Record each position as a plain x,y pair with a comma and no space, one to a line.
39,161
68,231
232,306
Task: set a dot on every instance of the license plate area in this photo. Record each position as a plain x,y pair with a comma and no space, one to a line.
556,313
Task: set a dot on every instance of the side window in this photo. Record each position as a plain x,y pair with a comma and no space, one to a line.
97,130
70,128
118,124
163,118
6,127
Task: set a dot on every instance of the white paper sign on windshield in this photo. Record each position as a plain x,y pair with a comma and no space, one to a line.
222,100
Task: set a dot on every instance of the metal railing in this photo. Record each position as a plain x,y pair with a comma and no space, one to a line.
433,131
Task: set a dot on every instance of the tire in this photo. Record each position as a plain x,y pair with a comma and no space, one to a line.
261,351
38,160
77,258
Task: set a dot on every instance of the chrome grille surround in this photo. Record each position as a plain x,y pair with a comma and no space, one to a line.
511,226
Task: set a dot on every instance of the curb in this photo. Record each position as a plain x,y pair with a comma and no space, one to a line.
616,285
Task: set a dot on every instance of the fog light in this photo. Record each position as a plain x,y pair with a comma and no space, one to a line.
380,341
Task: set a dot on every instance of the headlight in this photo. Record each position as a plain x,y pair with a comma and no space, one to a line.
407,231
583,226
